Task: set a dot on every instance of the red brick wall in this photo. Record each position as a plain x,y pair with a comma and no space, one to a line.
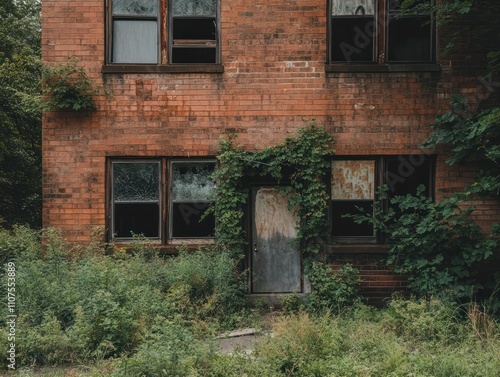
274,82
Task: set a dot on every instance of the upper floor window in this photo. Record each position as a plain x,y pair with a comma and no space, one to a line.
380,31
162,32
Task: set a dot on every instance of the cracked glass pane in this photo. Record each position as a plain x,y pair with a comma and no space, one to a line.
135,7
353,7
138,181
191,181
194,8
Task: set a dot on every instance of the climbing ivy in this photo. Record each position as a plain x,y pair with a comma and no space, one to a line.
305,156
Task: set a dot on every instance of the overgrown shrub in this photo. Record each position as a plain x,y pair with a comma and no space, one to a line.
438,245
332,289
88,305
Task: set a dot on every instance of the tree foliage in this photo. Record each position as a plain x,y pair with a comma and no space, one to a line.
437,244
20,113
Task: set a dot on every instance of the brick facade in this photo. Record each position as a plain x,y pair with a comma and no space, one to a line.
273,82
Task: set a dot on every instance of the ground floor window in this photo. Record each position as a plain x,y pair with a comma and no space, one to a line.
162,199
353,186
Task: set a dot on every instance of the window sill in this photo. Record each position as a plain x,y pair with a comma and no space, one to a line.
366,68
172,68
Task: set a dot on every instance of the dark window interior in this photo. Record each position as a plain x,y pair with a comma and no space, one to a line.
346,227
409,39
405,174
193,55
194,40
353,39
139,218
194,28
188,221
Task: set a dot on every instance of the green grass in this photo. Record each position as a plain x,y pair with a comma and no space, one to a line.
85,313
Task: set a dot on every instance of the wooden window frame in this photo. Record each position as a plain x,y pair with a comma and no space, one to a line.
165,200
381,177
380,62
165,42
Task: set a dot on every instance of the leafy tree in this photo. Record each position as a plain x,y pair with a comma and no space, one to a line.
20,113
471,128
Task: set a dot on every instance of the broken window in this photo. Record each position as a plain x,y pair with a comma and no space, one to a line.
138,33
161,199
193,191
136,199
194,31
380,31
353,186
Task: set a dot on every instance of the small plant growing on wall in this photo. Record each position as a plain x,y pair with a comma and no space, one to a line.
68,87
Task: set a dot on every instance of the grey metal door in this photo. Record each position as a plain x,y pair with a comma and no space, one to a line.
276,260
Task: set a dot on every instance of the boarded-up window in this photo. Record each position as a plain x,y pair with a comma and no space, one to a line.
353,185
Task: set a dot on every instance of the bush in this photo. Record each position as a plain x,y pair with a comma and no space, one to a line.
332,289
437,244
86,305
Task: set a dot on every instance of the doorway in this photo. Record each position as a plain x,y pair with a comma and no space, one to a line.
276,262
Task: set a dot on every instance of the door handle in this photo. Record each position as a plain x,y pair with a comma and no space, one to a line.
255,247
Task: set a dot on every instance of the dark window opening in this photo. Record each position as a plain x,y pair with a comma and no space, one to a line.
380,31
189,220
346,227
353,39
136,218
404,174
193,55
194,28
409,39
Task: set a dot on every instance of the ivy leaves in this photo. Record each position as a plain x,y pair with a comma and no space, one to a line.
305,156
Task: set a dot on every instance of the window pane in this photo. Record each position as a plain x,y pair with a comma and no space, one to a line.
405,173
353,179
193,55
350,7
409,39
136,181
135,7
206,8
352,39
135,41
189,28
346,227
187,220
191,181
138,218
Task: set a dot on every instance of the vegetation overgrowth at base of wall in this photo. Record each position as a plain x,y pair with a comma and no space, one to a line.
137,314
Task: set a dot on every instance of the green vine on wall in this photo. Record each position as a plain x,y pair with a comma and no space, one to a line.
305,155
